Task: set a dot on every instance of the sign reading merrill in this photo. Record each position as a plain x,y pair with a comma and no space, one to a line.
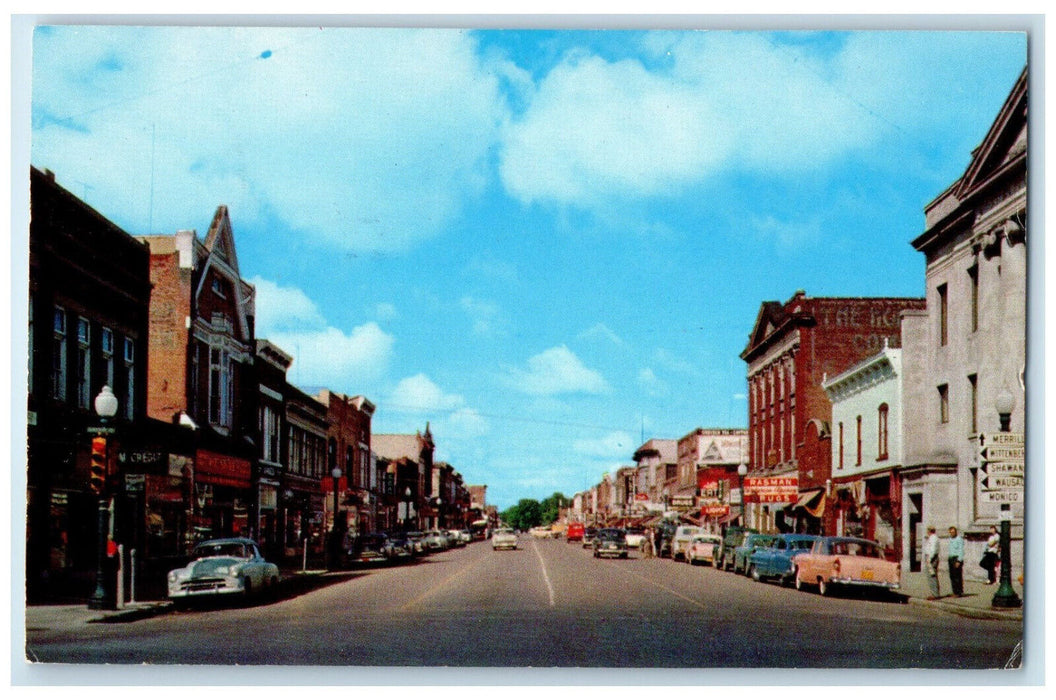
771,489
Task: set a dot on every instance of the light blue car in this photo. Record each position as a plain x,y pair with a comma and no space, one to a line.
775,561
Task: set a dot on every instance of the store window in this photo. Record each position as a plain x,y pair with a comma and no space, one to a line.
58,355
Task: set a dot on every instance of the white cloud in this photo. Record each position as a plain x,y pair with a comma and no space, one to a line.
557,371
366,139
615,446
419,394
653,385
599,331
284,307
323,355
485,315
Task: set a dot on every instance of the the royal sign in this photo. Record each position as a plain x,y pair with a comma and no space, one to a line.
771,489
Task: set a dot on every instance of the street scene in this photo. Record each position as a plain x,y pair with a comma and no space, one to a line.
547,603
423,347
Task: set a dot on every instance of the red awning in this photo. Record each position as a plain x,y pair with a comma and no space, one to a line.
734,514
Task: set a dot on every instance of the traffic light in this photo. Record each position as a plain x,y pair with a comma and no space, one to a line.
98,468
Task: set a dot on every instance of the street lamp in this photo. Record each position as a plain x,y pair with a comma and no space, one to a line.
742,471
1006,596
335,536
105,408
406,508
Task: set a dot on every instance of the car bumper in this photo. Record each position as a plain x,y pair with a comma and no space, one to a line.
205,587
889,585
610,552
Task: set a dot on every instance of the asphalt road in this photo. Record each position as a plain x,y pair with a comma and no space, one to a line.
546,604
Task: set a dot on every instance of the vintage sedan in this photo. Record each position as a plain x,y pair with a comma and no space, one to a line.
372,548
610,542
775,561
845,561
435,541
684,534
503,538
223,567
635,537
751,543
703,548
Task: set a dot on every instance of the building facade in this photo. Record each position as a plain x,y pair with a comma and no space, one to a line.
658,458
965,355
791,348
866,490
89,300
348,448
407,463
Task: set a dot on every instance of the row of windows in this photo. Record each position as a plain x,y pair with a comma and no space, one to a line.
882,414
92,366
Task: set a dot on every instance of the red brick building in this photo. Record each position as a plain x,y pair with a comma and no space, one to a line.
201,368
348,447
791,349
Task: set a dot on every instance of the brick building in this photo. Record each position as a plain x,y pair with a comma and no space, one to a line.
270,366
348,447
89,296
201,369
407,464
791,349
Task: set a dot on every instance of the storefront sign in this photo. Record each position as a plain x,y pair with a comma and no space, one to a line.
134,483
771,489
641,497
715,510
222,470
682,501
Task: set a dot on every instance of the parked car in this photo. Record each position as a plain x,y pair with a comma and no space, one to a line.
454,537
435,541
610,542
223,567
400,547
702,549
503,538
589,533
680,541
417,541
372,548
465,536
846,561
775,561
731,539
743,552
574,533
541,532
635,537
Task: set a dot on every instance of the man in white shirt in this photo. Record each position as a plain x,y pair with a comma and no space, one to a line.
931,562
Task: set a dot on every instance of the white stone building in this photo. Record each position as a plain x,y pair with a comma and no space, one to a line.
969,347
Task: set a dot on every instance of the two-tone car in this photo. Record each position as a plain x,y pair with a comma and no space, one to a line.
223,567
610,542
775,561
702,549
846,561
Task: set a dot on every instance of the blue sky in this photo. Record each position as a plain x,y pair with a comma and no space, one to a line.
545,243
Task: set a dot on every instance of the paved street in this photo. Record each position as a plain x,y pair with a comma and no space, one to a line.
547,604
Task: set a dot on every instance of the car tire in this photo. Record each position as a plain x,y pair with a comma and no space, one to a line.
798,581
247,590
753,571
824,587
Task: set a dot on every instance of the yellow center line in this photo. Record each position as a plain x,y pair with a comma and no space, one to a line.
407,606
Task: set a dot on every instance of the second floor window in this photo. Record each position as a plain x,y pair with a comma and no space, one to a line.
973,390
882,431
943,316
221,384
106,346
858,460
58,355
130,381
840,463
944,403
84,364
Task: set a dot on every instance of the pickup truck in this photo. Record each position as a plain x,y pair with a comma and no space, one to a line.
845,561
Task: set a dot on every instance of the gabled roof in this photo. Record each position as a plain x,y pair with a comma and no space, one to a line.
1004,142
220,240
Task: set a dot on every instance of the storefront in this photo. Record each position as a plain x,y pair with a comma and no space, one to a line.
223,494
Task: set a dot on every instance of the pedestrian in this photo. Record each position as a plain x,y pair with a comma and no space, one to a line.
647,545
992,555
955,558
931,562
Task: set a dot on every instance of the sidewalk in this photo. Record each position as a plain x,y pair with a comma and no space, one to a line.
976,601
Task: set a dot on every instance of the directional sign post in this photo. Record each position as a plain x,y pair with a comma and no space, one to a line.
1001,467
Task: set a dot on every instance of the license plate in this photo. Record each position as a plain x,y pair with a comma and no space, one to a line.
867,574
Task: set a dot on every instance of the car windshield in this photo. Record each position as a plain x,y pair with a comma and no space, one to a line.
611,535
505,531
221,549
801,544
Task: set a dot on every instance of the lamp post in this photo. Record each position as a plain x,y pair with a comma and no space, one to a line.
335,535
1006,596
106,408
406,509
742,471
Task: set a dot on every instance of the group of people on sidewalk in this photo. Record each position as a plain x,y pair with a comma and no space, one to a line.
955,560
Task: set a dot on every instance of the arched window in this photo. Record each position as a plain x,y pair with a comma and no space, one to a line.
882,431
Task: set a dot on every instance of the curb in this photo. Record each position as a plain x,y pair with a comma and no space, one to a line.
965,611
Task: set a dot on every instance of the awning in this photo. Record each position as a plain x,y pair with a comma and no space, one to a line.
734,514
811,502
